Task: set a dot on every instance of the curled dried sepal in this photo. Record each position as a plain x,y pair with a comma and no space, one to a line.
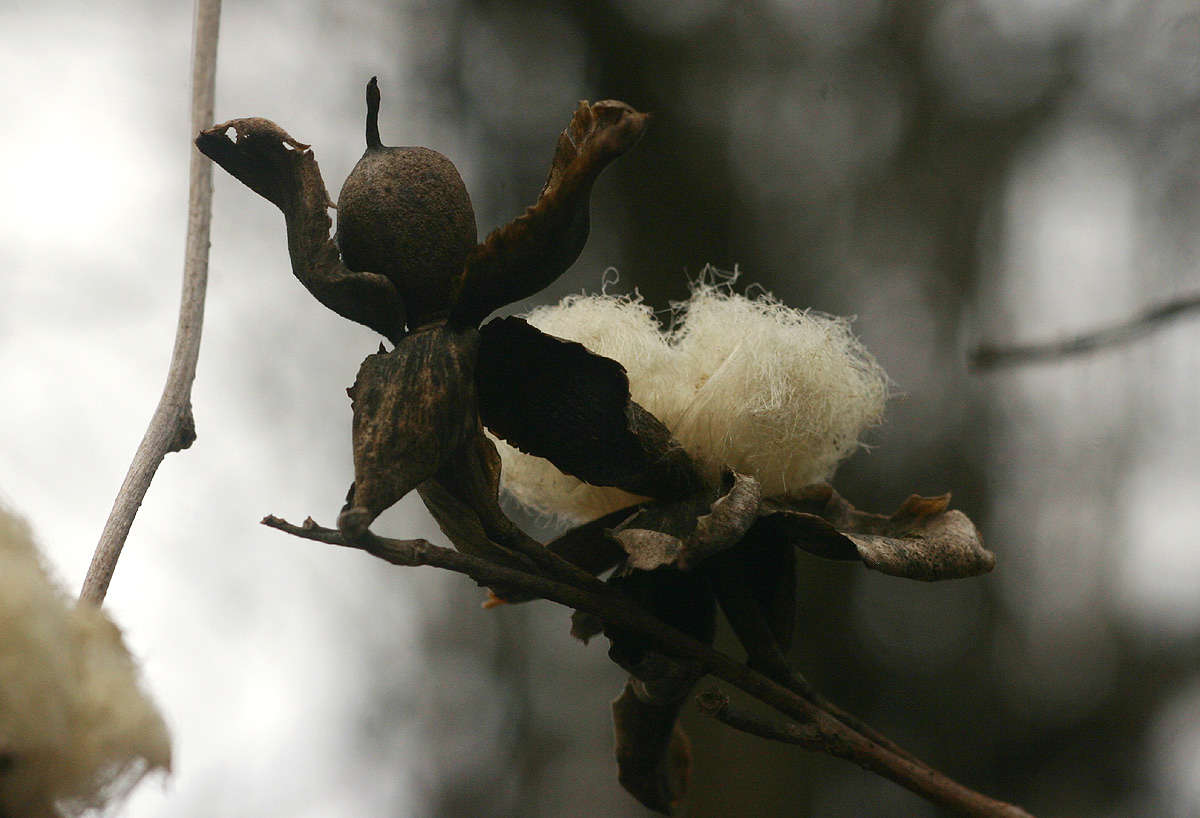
726,524
517,260
649,550
555,399
677,537
769,571
416,426
591,546
585,625
924,539
413,410
654,756
284,171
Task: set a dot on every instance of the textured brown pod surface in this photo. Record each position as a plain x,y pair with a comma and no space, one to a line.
405,213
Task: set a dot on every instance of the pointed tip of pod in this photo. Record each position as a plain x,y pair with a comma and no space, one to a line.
373,98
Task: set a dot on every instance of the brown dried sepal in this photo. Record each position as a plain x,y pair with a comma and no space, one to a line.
517,260
591,546
649,550
414,409
677,536
284,171
654,757
415,427
555,399
923,539
769,571
724,526
682,600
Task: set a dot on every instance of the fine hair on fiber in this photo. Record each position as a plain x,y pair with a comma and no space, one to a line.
779,393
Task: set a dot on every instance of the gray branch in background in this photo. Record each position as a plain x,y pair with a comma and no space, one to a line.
987,356
172,428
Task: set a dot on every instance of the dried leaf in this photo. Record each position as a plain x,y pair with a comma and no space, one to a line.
585,625
266,159
768,570
942,546
527,254
677,518
653,752
555,399
683,600
649,550
804,530
731,517
922,540
591,546
653,757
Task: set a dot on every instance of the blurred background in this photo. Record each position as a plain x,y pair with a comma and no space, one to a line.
949,172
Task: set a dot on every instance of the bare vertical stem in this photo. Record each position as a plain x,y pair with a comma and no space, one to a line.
172,428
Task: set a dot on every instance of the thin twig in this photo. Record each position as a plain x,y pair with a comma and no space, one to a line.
172,428
993,357
837,738
716,704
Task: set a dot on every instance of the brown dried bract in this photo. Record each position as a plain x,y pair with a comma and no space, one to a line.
524,256
654,756
923,539
261,155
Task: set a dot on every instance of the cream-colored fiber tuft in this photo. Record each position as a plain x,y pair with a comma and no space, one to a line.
76,731
779,393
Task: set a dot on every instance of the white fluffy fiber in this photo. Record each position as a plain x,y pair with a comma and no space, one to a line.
75,728
779,393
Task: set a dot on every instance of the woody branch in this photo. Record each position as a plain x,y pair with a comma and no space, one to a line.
825,730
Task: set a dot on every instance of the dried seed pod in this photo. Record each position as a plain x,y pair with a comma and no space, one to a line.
405,213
